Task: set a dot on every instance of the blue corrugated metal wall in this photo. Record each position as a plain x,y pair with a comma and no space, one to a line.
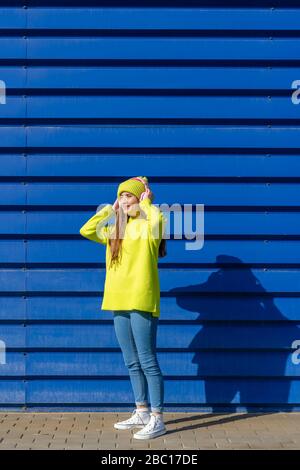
199,99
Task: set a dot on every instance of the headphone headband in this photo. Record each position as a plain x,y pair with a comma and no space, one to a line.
140,179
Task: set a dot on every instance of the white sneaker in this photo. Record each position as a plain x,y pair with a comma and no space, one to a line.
138,419
154,428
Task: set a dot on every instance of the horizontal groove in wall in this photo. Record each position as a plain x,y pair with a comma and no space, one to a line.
152,3
152,62
250,33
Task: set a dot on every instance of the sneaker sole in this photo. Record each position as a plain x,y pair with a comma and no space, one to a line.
116,426
158,433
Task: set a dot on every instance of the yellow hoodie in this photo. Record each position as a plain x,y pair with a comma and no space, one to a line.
134,282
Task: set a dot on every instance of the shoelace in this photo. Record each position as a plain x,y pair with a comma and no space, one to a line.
131,417
151,424
134,412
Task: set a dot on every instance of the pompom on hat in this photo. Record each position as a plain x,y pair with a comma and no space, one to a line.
134,186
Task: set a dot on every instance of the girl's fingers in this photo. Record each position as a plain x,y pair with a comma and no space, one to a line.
146,193
116,205
150,193
143,195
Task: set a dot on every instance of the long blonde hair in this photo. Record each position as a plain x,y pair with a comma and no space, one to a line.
116,239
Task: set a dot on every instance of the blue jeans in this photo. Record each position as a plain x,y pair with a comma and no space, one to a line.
136,333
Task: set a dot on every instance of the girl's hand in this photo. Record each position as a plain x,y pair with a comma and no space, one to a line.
147,193
116,205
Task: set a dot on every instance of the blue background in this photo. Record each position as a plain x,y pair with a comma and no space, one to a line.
199,100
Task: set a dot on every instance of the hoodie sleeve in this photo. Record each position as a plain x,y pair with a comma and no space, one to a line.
156,220
95,228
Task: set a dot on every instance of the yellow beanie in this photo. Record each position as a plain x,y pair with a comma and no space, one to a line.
133,186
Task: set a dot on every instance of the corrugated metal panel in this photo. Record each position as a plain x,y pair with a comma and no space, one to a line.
199,100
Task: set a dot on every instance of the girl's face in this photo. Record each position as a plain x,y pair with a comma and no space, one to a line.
129,203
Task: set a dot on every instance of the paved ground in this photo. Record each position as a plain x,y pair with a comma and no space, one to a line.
85,430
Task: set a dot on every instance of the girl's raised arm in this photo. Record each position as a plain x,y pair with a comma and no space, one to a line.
95,228
155,218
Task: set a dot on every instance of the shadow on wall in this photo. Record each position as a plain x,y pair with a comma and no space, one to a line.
265,357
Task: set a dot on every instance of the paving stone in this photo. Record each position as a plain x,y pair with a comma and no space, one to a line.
80,430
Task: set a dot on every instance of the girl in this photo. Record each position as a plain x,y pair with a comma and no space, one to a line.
132,293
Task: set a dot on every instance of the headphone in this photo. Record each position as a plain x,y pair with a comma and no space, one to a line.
141,180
